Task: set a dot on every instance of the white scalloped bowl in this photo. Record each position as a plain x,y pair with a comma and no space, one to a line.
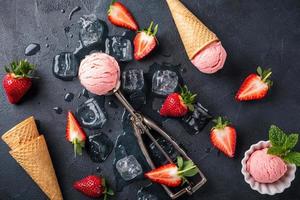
267,188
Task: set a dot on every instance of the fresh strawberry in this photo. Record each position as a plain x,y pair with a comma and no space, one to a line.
223,136
119,15
75,134
173,175
93,186
144,42
17,81
178,105
255,86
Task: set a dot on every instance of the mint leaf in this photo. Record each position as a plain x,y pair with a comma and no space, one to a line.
293,158
291,141
277,136
187,164
277,151
179,162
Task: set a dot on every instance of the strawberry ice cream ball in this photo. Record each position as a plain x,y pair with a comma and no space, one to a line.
265,168
210,59
99,73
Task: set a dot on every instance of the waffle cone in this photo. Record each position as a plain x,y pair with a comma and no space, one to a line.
35,160
194,34
21,133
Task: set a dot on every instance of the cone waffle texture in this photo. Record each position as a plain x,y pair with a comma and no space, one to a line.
194,34
35,160
21,134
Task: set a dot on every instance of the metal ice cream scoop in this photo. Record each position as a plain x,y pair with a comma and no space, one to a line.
143,126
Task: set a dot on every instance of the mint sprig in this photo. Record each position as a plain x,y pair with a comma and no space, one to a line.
186,168
283,144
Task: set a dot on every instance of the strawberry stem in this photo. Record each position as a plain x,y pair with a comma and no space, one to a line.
267,76
221,122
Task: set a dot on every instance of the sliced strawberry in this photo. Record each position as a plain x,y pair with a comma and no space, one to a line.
223,136
75,134
119,15
178,105
255,86
17,81
144,42
93,186
172,175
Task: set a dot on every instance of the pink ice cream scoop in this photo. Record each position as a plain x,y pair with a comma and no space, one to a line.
265,168
210,59
99,73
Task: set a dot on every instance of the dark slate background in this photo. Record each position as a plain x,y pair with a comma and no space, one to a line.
253,32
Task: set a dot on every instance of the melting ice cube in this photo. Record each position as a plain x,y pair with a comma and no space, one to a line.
194,122
133,85
99,147
129,168
93,31
91,114
164,82
65,66
119,47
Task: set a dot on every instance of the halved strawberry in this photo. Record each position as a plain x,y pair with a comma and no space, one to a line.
178,105
119,15
173,175
75,134
144,42
223,136
255,86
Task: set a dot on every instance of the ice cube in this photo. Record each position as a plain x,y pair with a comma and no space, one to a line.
146,196
91,114
133,80
99,147
164,82
133,85
93,31
195,121
129,168
158,156
119,47
65,66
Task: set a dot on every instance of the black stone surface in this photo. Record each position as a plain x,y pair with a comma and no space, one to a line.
253,32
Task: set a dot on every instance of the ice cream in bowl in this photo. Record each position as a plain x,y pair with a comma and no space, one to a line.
269,166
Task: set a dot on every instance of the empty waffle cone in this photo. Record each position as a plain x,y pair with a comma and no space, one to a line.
194,34
35,160
21,133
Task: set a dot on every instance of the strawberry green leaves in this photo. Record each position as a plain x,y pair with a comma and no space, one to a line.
283,144
20,69
186,168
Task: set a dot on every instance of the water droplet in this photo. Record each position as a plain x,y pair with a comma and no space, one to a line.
58,110
67,29
67,46
69,97
99,169
46,38
112,104
32,49
77,8
71,36
62,11
47,45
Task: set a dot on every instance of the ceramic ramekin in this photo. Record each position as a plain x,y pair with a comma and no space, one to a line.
267,188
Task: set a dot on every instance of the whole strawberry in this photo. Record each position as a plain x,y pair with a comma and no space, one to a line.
178,105
17,81
93,186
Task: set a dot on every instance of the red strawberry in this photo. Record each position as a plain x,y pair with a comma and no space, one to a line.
144,42
17,81
93,186
178,105
172,175
223,136
255,86
75,134
119,15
